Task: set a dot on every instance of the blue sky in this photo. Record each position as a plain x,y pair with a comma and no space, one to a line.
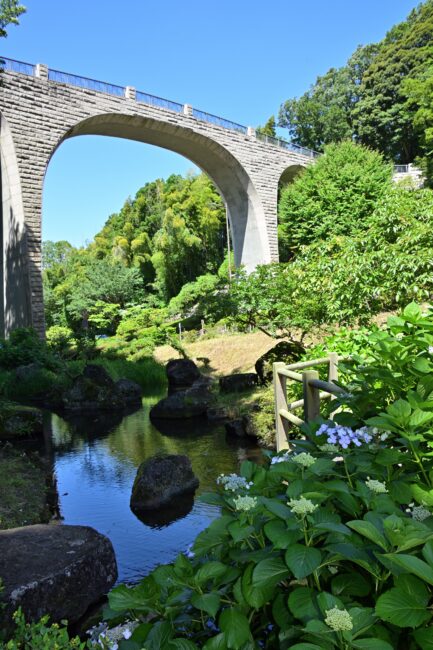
233,58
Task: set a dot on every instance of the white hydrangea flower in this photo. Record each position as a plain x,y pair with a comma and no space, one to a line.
399,336
430,349
329,448
376,486
419,513
304,459
302,506
233,482
339,620
245,503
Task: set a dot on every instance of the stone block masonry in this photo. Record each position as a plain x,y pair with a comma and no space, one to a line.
39,111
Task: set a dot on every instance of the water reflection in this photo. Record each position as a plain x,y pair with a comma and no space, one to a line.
96,459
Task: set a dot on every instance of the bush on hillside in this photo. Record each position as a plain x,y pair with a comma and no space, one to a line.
334,196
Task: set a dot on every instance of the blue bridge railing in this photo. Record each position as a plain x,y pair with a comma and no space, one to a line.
152,100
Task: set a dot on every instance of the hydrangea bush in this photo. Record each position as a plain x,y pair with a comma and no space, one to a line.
327,545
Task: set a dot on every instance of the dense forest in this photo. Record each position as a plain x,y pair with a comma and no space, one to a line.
382,97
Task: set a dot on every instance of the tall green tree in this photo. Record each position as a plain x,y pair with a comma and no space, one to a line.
269,128
332,197
324,114
419,94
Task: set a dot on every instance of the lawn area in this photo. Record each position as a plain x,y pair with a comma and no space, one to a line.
23,489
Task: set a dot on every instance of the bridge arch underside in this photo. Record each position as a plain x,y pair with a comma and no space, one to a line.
245,211
289,175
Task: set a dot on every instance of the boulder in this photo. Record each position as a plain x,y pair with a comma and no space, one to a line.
27,372
287,351
216,413
56,570
238,382
129,390
86,395
161,478
21,422
94,390
181,374
240,428
187,403
98,375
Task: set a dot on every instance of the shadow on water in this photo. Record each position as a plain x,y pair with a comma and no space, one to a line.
95,460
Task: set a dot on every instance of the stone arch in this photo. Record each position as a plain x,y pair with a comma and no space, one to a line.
245,210
289,174
14,267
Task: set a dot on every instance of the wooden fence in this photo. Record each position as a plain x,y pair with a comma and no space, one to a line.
314,390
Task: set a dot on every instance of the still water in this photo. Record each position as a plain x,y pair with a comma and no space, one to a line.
96,459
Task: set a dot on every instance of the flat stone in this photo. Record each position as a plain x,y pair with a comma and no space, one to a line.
54,569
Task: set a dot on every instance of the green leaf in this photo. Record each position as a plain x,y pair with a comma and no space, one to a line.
371,643
422,365
240,531
366,529
181,644
277,508
235,626
123,598
217,642
276,530
256,596
422,496
209,603
159,635
412,312
419,418
210,571
305,646
302,603
302,560
269,572
400,608
400,410
353,584
424,638
413,565
427,552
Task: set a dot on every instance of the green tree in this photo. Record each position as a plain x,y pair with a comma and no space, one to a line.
10,11
332,197
324,113
419,94
382,118
269,128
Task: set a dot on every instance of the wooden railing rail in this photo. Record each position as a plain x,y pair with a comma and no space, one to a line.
314,390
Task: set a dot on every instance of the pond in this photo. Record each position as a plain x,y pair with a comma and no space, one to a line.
95,461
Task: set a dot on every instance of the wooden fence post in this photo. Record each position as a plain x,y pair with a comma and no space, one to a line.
280,400
333,369
311,396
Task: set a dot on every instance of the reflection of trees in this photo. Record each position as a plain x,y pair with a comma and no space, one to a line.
109,445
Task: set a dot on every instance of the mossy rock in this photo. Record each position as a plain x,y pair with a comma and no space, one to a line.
20,422
286,351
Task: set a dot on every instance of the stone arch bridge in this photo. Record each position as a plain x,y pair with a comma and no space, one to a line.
40,108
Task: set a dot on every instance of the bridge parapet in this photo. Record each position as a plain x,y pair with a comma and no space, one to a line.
42,71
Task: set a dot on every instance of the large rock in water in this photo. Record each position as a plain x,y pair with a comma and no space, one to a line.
181,374
185,404
95,390
55,570
287,351
161,478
